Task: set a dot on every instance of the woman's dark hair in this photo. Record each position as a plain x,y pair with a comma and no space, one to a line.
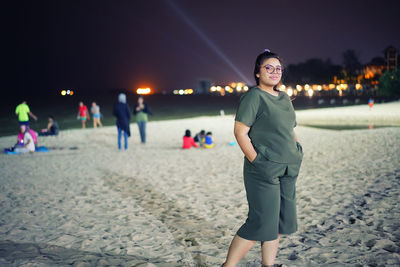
202,132
188,133
260,60
209,133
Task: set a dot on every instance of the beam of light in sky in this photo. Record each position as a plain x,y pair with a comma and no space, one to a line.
205,38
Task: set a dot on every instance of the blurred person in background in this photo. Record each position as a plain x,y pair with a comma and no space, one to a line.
95,109
142,110
123,114
23,112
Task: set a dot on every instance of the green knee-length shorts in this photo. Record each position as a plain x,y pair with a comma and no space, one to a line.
271,195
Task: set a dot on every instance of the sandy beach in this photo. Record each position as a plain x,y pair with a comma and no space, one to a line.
85,203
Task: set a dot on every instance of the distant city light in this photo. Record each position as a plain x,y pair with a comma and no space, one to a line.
67,92
310,92
143,91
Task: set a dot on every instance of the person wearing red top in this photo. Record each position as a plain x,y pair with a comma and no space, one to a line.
188,141
83,114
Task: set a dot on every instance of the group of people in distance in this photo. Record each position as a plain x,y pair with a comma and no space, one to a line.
27,137
201,139
83,114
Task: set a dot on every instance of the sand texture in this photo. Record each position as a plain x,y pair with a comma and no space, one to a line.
157,205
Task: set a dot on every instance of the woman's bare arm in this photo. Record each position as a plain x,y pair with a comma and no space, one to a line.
295,136
241,131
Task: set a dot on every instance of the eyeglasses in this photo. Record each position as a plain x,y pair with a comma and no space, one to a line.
271,69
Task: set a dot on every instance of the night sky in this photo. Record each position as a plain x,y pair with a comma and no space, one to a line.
173,44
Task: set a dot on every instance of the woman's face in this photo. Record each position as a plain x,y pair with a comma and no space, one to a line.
140,100
270,72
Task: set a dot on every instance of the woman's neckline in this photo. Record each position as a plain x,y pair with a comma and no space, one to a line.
274,96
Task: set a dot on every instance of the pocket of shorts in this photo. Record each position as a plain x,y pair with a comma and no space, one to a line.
256,158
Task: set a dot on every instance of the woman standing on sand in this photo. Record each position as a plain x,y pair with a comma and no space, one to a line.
263,128
141,111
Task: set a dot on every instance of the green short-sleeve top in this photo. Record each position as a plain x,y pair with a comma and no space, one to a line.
22,110
271,120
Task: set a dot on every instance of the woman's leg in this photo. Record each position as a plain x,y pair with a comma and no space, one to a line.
144,132
119,138
125,140
269,249
100,124
238,248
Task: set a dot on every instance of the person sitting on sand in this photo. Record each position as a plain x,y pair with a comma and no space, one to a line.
208,140
32,132
52,128
26,144
188,140
199,137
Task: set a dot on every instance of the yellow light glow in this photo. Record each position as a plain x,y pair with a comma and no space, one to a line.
233,85
238,88
188,91
227,88
213,88
306,87
338,87
143,91
181,91
319,87
299,88
358,86
63,92
310,92
289,91
219,88
175,92
246,88
71,92
332,86
282,87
